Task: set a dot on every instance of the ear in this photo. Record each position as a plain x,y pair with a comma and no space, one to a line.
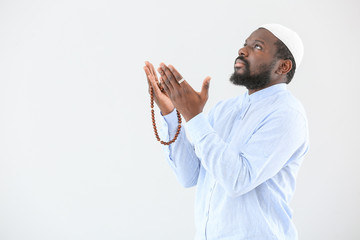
284,67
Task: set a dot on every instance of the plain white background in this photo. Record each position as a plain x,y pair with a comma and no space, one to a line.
78,159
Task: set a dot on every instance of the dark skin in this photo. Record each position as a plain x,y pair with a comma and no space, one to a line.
180,96
161,99
258,49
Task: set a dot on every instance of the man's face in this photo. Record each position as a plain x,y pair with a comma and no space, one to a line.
255,65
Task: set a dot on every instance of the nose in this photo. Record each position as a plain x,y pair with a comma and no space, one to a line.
243,52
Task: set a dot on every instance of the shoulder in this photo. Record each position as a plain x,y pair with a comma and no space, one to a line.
287,102
280,107
284,111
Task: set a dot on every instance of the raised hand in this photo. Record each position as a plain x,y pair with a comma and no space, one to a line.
185,99
161,99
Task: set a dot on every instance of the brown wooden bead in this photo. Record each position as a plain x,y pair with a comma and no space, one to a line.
154,123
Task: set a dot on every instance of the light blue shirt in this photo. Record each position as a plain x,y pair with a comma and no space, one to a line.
243,157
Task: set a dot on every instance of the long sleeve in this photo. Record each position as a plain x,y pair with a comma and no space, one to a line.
250,149
180,154
241,168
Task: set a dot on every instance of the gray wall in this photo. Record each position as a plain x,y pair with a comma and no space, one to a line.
78,159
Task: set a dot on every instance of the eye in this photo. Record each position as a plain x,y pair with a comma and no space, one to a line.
257,46
245,44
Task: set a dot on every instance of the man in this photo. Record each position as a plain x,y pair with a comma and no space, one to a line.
244,156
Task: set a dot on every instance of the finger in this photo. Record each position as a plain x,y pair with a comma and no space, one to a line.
205,88
165,81
161,87
155,85
151,68
153,82
170,76
147,72
154,72
166,88
176,74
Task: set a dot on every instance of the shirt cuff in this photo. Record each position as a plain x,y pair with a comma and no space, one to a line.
198,127
171,120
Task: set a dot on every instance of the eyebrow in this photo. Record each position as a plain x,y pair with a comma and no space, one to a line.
260,41
257,41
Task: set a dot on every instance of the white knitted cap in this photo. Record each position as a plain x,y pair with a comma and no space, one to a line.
290,38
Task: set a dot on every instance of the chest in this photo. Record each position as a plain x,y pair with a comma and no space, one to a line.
236,126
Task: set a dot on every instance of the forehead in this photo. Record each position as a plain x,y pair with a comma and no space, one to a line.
264,36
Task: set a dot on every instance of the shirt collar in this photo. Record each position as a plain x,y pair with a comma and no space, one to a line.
256,96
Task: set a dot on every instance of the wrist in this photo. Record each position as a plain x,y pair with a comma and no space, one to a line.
189,116
165,112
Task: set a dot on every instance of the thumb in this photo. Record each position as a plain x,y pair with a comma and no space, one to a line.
205,88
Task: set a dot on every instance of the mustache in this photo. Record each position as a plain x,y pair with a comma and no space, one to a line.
243,60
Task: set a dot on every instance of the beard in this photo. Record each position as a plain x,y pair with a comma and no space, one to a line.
252,81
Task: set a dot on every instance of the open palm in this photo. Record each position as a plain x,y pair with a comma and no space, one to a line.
161,99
